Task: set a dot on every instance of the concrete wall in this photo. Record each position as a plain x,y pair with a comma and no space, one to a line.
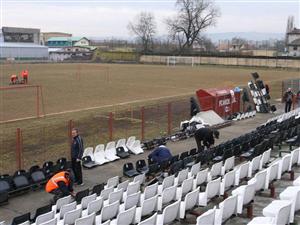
230,61
24,52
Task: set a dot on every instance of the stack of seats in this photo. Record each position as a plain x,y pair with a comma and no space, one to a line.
111,152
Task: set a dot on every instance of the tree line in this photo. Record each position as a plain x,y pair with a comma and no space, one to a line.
185,29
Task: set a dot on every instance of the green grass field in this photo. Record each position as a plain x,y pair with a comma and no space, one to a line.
69,89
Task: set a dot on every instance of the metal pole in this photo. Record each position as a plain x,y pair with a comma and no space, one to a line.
37,101
18,149
169,118
110,126
143,123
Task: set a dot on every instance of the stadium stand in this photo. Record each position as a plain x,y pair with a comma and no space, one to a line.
173,196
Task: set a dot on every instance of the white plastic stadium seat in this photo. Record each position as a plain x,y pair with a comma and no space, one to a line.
272,173
86,200
260,180
70,217
112,182
149,192
108,212
115,196
99,155
93,207
132,189
122,143
284,165
186,187
87,220
148,206
170,213
212,190
60,202
105,193
242,172
130,201
130,142
89,151
292,194
136,148
254,165
125,218
215,171
297,182
207,218
167,182
182,175
201,178
277,206
64,209
265,159
168,195
44,218
140,178
227,181
245,195
190,201
194,170
123,185
228,165
227,208
150,221
295,155
111,152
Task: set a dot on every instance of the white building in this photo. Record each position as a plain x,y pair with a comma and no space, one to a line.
293,42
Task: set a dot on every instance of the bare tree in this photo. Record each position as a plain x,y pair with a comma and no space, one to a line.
144,27
193,17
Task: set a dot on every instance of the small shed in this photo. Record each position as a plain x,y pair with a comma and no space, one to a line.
224,101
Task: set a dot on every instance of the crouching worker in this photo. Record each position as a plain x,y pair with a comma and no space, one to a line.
207,136
14,79
60,185
160,154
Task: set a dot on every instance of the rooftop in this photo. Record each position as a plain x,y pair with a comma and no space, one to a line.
20,45
65,39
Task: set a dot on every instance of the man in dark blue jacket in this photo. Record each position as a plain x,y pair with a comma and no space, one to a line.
160,154
76,155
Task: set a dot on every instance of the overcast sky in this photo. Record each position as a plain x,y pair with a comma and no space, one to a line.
104,18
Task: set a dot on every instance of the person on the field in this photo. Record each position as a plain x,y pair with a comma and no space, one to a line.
60,185
288,99
14,79
25,76
160,154
76,155
207,136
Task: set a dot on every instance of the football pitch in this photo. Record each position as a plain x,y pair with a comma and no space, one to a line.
74,87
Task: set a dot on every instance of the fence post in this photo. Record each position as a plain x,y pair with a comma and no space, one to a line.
37,101
19,148
110,126
169,118
70,127
143,123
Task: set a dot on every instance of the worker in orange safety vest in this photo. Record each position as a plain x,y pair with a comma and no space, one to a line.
14,79
60,185
24,75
